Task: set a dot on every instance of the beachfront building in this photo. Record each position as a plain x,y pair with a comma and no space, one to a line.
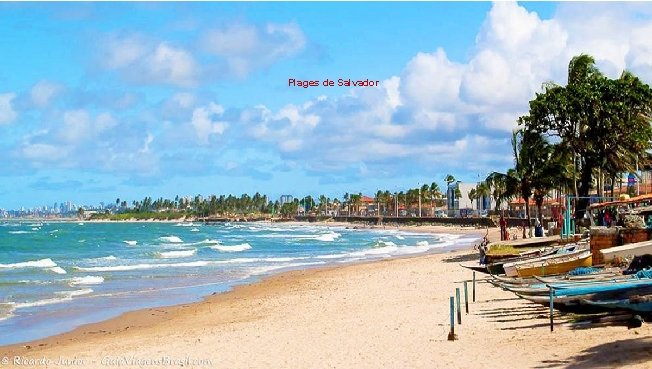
285,199
459,204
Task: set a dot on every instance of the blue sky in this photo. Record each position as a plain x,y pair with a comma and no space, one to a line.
107,100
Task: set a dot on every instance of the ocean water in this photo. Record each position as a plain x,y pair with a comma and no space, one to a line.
59,275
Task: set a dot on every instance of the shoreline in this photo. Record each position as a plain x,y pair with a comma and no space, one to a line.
258,279
382,313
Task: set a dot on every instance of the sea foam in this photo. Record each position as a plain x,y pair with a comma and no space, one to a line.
171,239
177,254
58,270
234,248
87,280
43,263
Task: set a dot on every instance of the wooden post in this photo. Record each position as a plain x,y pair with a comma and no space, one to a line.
459,311
552,298
466,298
451,335
473,286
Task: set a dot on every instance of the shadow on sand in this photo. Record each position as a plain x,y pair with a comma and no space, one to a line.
609,355
460,258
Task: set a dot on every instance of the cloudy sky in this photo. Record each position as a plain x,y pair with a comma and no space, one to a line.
99,101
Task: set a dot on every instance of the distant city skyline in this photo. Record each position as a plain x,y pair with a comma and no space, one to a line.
107,100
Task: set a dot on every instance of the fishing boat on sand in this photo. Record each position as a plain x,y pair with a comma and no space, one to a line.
627,251
558,263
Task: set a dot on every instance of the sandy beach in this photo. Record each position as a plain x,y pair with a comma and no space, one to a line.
390,313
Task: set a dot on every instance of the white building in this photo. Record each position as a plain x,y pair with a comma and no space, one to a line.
462,205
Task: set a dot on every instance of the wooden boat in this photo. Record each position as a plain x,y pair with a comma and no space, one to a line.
528,242
475,266
639,304
544,289
510,266
601,274
554,264
622,288
627,251
497,267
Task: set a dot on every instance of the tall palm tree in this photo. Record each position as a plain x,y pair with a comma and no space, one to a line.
472,196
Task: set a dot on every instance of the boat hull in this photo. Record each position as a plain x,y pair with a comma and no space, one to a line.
626,251
554,266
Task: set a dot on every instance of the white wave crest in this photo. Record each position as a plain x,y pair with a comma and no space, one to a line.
191,224
122,268
66,296
207,242
171,239
20,232
324,237
43,263
177,254
382,243
194,230
58,270
87,280
234,248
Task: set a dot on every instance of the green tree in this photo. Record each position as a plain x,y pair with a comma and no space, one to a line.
603,123
472,196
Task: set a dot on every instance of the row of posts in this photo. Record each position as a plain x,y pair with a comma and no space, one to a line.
453,300
451,335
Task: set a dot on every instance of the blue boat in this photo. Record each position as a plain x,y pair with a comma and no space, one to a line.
593,288
639,304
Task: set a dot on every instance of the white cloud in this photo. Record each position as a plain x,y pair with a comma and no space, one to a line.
124,51
43,92
172,65
205,122
431,81
150,62
245,47
7,113
450,113
40,152
79,126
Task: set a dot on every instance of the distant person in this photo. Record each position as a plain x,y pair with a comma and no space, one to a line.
503,229
538,229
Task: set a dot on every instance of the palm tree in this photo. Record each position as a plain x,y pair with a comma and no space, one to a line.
472,196
482,191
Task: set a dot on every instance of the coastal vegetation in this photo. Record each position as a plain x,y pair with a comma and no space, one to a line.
576,136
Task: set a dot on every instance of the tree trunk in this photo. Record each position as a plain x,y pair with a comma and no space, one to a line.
585,186
527,216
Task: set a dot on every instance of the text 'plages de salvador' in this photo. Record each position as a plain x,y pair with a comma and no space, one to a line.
292,82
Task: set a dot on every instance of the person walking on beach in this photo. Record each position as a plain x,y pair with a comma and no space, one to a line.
503,229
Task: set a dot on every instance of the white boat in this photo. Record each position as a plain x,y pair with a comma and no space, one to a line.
627,251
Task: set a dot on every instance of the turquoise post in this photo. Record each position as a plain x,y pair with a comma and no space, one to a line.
473,286
459,311
451,335
466,298
552,300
